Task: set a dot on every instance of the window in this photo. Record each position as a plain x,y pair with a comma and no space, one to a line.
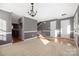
2,30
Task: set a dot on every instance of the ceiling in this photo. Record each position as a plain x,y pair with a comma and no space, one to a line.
46,11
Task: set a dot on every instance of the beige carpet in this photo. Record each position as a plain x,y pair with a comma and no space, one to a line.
36,47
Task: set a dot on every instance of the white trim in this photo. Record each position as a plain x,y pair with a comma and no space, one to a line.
29,31
76,33
8,32
4,45
46,30
29,38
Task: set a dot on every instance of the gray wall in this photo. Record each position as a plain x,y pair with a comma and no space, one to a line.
30,24
72,27
46,26
15,18
77,12
29,27
7,17
58,27
76,23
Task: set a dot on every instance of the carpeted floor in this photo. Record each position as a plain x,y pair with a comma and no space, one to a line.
38,47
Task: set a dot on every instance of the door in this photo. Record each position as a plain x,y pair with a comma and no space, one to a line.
65,28
17,31
52,28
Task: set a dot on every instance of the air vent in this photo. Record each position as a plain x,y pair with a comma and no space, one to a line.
63,14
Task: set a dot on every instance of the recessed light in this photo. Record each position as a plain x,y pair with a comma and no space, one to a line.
63,14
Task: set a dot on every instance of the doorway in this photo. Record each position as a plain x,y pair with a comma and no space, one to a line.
17,31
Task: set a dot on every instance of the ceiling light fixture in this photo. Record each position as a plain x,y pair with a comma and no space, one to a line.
32,12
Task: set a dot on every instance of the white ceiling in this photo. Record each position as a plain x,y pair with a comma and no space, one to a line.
46,11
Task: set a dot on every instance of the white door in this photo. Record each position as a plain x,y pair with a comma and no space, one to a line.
52,28
65,28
